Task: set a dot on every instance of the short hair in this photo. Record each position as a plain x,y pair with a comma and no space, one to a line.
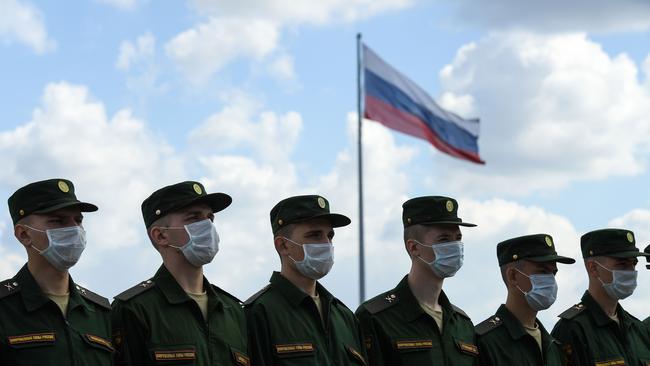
285,231
161,222
415,232
504,268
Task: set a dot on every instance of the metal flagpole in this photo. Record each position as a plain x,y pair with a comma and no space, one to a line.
362,276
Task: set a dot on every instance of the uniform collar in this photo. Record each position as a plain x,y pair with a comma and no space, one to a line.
599,315
411,307
175,294
516,329
34,298
295,295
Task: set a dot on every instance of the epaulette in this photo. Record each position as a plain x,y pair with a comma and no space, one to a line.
488,324
229,295
8,287
136,290
259,293
571,312
460,311
381,303
93,297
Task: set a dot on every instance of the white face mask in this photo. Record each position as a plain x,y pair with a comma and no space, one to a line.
65,246
623,283
449,258
203,244
543,290
318,260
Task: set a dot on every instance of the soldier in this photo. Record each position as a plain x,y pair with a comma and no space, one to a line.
295,320
598,331
647,251
514,336
414,323
45,317
178,316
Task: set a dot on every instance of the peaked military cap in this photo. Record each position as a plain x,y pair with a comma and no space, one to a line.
176,196
431,210
43,197
534,248
617,243
302,208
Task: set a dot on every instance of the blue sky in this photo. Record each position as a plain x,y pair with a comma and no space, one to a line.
257,99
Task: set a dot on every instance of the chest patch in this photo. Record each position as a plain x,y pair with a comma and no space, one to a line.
467,348
617,362
32,338
414,344
174,355
294,348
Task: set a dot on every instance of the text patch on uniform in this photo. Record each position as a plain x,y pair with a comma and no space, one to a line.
414,344
294,348
617,362
32,338
174,355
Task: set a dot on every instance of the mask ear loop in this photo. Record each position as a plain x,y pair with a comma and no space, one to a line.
428,246
527,276
39,251
293,242
607,269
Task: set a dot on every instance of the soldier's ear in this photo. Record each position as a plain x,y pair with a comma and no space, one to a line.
412,247
159,236
280,245
511,276
22,234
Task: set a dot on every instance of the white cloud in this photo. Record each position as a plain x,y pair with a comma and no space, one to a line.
554,109
133,52
208,47
637,221
557,15
22,22
314,12
121,4
282,68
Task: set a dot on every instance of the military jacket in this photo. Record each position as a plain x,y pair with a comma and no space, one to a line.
590,337
502,340
157,323
286,328
33,331
399,333
647,322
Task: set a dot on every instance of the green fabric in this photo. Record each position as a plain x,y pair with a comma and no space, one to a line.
591,336
176,196
285,328
536,248
29,311
404,321
618,243
431,210
510,344
301,208
164,320
45,196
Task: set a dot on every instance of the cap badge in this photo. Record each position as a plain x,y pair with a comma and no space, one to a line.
450,206
630,237
321,202
197,188
549,241
63,186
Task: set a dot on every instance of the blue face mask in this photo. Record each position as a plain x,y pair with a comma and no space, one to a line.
318,260
449,258
203,244
65,246
623,283
543,292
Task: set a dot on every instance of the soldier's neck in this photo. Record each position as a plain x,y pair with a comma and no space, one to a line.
426,287
49,279
518,306
606,303
190,278
306,284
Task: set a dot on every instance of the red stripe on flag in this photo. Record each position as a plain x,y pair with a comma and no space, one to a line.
409,124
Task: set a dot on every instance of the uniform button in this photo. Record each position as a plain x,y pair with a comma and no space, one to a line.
15,283
497,319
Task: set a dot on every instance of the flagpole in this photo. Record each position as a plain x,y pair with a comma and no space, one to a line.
362,276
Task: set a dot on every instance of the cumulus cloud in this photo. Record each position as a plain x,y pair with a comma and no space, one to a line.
557,15
208,47
133,52
282,68
120,4
22,22
554,109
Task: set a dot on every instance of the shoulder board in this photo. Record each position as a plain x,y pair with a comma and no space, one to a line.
381,303
229,295
136,290
571,312
460,311
93,297
488,324
8,287
256,295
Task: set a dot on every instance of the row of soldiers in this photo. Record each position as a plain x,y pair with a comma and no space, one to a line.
179,317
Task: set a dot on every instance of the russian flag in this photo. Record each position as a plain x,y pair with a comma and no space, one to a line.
395,101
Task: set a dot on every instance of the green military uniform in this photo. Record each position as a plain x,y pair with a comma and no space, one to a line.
589,336
397,330
157,322
33,330
647,250
284,323
502,339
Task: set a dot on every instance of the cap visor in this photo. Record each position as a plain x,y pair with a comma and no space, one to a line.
216,201
459,223
83,206
551,258
630,254
337,220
